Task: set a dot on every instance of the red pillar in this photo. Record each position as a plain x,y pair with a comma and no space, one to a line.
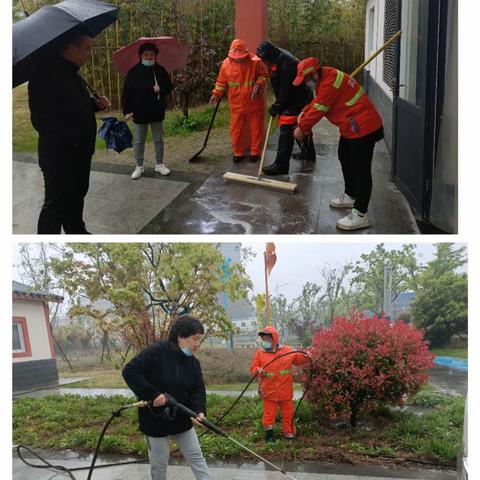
251,26
251,22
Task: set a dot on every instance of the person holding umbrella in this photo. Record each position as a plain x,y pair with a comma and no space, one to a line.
63,113
49,47
146,85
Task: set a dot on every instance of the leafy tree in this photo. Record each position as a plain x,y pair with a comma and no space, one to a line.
335,290
306,312
281,314
368,275
360,363
441,303
146,286
441,307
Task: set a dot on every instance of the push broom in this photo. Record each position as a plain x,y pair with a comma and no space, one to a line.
288,186
258,180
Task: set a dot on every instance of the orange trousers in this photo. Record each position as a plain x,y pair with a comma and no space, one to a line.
286,410
254,122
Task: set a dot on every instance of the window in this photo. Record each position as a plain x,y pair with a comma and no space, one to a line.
20,339
370,30
244,324
18,343
409,51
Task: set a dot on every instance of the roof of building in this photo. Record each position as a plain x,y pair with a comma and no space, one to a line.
20,290
405,297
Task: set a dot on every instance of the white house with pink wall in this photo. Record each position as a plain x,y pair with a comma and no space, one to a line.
33,353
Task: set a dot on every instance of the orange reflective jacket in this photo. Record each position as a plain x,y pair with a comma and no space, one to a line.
343,102
276,382
238,79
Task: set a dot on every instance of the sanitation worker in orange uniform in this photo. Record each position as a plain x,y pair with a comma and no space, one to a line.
244,79
340,99
276,382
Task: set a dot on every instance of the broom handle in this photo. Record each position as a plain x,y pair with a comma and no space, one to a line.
264,148
378,52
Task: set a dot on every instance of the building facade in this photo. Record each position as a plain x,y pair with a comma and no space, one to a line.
414,85
33,354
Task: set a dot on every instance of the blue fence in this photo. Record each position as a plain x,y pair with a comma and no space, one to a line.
450,362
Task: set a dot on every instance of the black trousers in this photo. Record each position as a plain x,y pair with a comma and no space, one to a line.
355,156
286,142
66,180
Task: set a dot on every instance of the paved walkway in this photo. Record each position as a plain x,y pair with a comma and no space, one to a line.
231,208
192,203
220,471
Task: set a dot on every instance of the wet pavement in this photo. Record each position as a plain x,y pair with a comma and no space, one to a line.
221,207
449,381
192,203
219,470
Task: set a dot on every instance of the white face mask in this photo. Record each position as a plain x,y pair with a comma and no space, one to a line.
311,83
148,63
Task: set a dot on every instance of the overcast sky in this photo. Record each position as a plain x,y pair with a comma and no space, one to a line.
298,263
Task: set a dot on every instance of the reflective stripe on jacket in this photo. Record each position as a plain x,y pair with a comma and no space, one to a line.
238,80
276,383
344,103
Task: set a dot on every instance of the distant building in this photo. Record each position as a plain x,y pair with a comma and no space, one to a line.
402,304
240,312
33,353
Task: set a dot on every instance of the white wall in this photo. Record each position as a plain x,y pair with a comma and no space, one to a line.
375,67
37,329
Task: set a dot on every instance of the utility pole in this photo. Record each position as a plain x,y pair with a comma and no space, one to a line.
387,292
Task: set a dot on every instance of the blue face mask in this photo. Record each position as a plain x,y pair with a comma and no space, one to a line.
186,351
148,63
267,345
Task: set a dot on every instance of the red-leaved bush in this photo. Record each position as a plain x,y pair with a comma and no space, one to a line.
361,363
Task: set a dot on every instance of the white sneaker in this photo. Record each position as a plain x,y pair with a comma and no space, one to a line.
344,201
138,172
353,221
162,169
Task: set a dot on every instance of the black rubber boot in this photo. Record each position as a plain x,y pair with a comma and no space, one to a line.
275,169
237,159
254,158
269,436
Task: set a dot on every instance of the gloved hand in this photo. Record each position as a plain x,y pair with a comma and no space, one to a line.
274,110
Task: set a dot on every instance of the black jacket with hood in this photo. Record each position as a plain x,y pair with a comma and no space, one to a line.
138,96
289,100
62,112
161,368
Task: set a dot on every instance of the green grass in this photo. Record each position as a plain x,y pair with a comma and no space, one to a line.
25,137
60,422
451,352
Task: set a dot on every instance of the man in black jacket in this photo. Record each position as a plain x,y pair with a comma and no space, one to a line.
144,98
289,102
170,367
63,113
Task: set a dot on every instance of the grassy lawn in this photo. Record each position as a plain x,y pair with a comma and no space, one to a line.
391,437
451,352
25,136
182,140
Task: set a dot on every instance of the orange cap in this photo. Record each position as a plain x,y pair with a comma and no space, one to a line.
306,67
238,49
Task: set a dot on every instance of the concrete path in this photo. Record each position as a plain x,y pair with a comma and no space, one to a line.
115,203
192,203
219,471
231,208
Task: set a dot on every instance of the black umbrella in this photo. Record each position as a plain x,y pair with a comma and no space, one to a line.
42,33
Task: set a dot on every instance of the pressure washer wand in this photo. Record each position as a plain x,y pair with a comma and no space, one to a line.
219,431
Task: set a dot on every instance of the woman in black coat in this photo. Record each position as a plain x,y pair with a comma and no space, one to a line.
143,98
170,367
